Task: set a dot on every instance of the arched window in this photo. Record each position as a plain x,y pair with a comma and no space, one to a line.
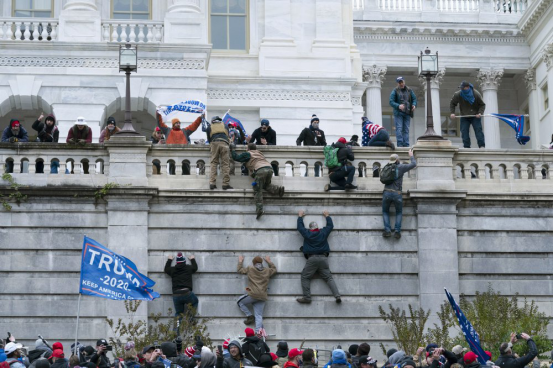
228,24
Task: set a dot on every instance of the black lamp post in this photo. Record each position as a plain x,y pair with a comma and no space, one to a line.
128,62
428,67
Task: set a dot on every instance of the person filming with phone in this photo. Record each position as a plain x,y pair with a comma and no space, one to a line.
506,357
100,357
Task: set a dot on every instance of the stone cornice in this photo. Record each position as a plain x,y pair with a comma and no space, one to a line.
278,95
533,15
440,32
435,81
75,62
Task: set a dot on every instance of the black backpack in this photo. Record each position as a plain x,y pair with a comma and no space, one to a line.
255,350
389,173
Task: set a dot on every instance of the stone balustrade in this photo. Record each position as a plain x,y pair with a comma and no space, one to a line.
132,31
457,6
28,29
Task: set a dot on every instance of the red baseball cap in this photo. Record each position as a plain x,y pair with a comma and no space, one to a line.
274,356
225,343
15,123
293,353
249,332
57,353
342,140
470,357
489,354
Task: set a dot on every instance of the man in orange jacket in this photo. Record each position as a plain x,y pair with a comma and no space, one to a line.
176,135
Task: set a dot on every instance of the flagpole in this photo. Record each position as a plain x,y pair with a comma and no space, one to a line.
77,328
484,115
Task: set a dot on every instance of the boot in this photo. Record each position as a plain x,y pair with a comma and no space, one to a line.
260,213
281,191
303,300
390,144
350,187
227,188
249,320
212,187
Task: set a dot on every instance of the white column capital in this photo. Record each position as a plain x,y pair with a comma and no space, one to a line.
80,5
530,79
435,81
490,78
183,6
374,75
547,55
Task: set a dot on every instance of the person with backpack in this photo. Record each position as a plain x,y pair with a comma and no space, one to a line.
256,296
392,178
404,102
339,168
254,347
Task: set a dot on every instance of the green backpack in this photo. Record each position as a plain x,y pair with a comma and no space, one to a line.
389,173
331,156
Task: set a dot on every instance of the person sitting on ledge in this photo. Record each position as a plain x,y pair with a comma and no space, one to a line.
344,168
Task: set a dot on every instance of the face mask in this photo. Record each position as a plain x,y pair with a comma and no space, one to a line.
315,125
111,128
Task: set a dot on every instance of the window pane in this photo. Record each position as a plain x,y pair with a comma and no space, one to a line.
387,122
237,6
237,29
43,4
121,16
122,5
219,32
20,13
42,14
140,16
23,4
141,6
219,6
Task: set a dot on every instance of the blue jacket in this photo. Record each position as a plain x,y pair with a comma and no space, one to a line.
315,243
395,101
22,136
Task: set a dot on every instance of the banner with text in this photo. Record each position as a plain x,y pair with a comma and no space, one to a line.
188,106
112,276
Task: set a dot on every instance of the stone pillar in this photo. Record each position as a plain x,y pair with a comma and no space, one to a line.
533,109
328,22
278,22
374,76
547,123
490,79
127,160
80,21
435,83
186,22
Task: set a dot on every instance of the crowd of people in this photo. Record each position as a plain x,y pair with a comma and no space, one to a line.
252,351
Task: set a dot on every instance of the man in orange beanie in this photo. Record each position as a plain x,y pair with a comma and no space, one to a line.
176,135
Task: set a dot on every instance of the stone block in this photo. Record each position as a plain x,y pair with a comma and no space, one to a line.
437,239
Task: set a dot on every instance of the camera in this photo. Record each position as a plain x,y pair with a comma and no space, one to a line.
519,336
109,348
156,345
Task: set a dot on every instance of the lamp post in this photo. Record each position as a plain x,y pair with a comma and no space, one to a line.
428,67
128,62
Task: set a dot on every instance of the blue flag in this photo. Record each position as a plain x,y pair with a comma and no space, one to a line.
472,337
228,119
112,276
517,123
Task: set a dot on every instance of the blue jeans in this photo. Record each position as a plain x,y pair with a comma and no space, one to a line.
465,131
402,122
380,138
339,177
182,302
388,198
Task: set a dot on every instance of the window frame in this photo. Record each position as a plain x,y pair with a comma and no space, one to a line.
112,12
14,9
247,35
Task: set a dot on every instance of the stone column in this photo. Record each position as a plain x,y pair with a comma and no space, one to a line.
328,22
435,83
186,22
80,21
490,79
374,76
533,109
547,123
127,160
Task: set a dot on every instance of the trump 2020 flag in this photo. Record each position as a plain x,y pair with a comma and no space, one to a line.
112,276
188,106
472,337
517,123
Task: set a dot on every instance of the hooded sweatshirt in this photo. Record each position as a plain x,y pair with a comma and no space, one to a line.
47,133
21,136
258,280
231,362
106,134
181,274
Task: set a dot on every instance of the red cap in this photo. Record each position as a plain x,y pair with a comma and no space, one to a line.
489,354
225,343
57,346
342,140
470,357
15,123
189,351
57,353
274,356
158,129
4,364
293,353
249,332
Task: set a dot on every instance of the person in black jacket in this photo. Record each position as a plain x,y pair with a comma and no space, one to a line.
264,135
338,174
100,356
47,131
316,250
312,136
253,347
181,276
508,360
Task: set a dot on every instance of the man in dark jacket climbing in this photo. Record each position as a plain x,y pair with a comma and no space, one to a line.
506,358
181,278
312,136
236,359
316,250
254,347
343,170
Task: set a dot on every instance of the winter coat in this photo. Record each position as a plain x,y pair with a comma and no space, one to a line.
101,360
509,361
106,134
465,107
258,280
397,185
60,363
22,136
290,364
250,343
77,134
181,274
132,364
396,98
315,243
281,361
40,352
311,137
178,136
344,154
270,136
47,133
231,362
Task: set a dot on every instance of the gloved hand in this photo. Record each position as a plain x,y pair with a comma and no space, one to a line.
81,141
233,146
71,141
13,139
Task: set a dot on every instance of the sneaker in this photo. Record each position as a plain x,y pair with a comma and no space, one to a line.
397,235
390,144
327,187
303,300
212,187
386,234
351,187
259,214
281,191
249,320
227,188
338,300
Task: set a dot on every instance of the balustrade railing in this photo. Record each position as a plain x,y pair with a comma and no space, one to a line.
358,4
400,5
457,6
510,6
31,29
132,31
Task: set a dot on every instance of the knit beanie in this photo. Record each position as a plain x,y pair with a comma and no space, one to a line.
364,349
189,351
180,258
257,260
14,123
175,120
111,120
249,332
353,349
38,343
57,346
338,354
390,352
314,118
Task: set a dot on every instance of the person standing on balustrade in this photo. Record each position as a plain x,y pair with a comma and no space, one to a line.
219,141
312,136
404,102
470,103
